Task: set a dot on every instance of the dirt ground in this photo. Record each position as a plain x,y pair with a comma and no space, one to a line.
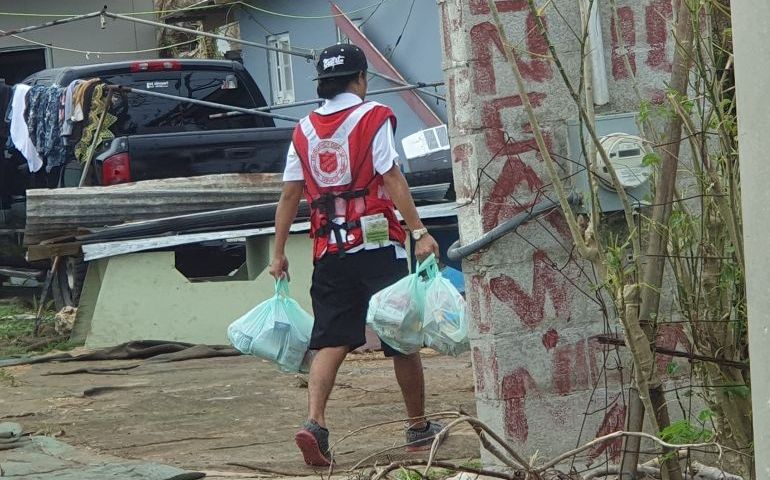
230,417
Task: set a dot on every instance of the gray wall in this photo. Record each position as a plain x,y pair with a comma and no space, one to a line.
417,57
82,35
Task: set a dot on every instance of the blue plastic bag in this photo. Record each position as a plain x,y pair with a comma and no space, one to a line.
277,329
445,323
395,312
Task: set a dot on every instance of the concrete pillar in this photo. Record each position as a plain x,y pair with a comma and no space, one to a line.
535,355
752,68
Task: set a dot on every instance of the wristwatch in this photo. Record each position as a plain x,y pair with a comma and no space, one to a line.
419,233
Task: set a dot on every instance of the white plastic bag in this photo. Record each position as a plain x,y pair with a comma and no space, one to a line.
277,329
395,313
445,323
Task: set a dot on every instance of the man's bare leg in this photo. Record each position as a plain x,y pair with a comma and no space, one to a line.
412,382
323,372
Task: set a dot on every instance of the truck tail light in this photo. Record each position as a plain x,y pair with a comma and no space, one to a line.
155,66
116,169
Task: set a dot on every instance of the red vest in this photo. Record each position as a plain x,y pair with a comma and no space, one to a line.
341,184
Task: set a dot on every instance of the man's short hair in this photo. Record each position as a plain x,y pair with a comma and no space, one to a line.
329,88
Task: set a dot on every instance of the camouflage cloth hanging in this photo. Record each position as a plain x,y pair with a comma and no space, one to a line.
99,103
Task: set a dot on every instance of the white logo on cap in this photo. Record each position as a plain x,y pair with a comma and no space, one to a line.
334,61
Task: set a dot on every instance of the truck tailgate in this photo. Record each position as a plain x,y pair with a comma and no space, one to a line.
188,154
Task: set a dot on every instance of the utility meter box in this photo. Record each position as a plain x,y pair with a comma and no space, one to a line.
619,137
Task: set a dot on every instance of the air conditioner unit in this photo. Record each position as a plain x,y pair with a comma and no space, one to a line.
427,150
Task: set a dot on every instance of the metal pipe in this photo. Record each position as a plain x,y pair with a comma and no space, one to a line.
191,31
203,103
61,21
320,100
403,84
457,252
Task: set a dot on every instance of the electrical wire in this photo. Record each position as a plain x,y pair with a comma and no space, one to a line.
203,7
92,52
149,12
398,40
370,16
312,17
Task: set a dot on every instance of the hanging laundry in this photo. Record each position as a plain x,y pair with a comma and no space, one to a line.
82,94
6,92
67,122
99,103
43,117
19,136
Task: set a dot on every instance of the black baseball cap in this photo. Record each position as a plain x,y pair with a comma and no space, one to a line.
340,60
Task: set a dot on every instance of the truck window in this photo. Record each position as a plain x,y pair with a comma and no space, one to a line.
142,114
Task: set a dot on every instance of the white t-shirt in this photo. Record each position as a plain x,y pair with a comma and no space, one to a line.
384,154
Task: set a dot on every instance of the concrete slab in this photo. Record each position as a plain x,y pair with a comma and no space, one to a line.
45,458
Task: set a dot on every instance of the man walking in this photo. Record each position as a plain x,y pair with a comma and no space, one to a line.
343,158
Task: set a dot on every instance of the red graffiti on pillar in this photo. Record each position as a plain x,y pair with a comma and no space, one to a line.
614,420
445,32
498,207
530,307
670,337
656,18
514,393
569,361
550,339
485,35
492,119
484,366
481,7
479,303
628,29
479,369
462,153
515,173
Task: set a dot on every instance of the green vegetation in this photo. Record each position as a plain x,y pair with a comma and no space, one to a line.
17,325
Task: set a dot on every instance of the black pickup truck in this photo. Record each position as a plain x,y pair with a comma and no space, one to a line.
162,138
155,138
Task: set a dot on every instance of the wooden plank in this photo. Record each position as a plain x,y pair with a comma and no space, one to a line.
41,252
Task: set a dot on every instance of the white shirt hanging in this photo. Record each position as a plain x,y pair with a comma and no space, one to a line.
19,130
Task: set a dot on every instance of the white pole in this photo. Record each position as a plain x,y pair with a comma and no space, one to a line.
598,62
752,67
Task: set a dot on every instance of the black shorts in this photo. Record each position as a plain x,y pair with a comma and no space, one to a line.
341,291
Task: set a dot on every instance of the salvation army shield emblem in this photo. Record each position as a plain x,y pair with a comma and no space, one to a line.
327,161
330,164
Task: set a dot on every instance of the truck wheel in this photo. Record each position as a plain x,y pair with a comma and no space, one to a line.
67,283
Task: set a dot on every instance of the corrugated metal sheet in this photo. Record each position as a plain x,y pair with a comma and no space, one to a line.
60,212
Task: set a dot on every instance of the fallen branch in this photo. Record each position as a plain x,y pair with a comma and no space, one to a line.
619,434
698,472
520,469
516,475
478,427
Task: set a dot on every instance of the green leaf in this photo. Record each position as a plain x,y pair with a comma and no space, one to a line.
682,432
672,368
706,415
644,111
651,159
741,391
